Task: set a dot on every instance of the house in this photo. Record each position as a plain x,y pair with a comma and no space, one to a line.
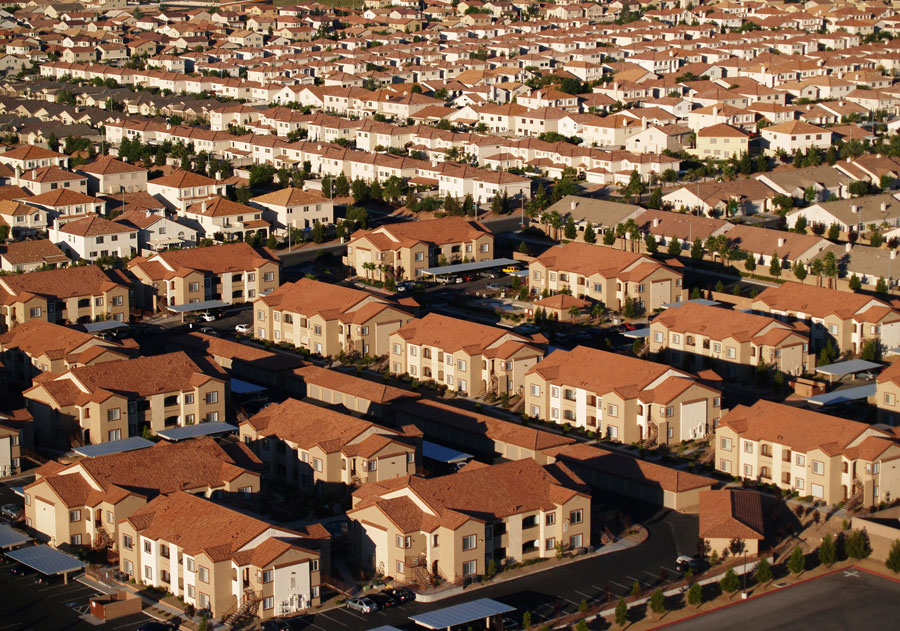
181,189
50,178
93,237
824,180
222,219
734,343
83,502
824,457
403,250
109,176
30,255
75,294
793,135
659,138
294,208
327,319
728,515
64,202
219,559
466,356
22,219
721,142
27,157
855,214
452,526
601,213
113,400
743,196
156,231
764,244
638,401
315,449
605,275
232,272
846,319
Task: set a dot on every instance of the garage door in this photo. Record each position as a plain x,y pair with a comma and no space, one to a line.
693,419
660,293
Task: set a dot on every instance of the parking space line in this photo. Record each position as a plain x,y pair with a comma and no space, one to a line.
588,596
313,624
651,574
332,619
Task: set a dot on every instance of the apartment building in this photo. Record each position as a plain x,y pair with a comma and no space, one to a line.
887,394
452,526
467,357
734,343
114,400
847,319
292,208
15,437
405,249
605,275
92,237
233,273
316,449
72,294
817,455
217,558
619,397
355,394
108,176
82,503
327,319
181,189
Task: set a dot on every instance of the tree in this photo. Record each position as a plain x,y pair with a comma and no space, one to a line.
635,186
318,232
893,559
341,187
622,611
635,589
695,595
799,270
4,233
881,286
651,244
775,267
570,230
750,262
870,351
797,561
828,354
834,232
526,619
656,199
855,283
763,571
674,247
697,249
359,190
53,142
629,310
589,235
857,545
730,583
609,237
827,551
261,175
658,602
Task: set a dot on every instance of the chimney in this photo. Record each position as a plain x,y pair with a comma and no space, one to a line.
848,247
573,204
781,242
656,222
884,207
893,254
854,208
203,207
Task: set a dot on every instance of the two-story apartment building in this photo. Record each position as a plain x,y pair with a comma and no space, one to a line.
734,343
82,503
216,558
605,275
327,319
232,272
452,526
316,449
845,318
620,397
405,249
887,394
466,356
825,457
114,400
72,294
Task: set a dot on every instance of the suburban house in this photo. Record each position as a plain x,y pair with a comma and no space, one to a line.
403,250
114,400
793,135
721,142
294,208
728,515
64,202
327,319
72,294
855,214
605,275
181,189
92,237
733,343
109,176
157,232
30,255
319,450
82,503
452,526
28,157
219,559
224,220
824,457
232,272
23,219
466,356
638,401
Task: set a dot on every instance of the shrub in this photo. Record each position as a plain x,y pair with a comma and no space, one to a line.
763,572
621,613
695,595
893,560
857,546
730,583
797,561
658,602
827,551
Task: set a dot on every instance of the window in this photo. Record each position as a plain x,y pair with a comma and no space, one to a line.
397,350
725,444
613,410
800,460
269,277
148,572
74,515
317,329
110,518
729,352
35,312
128,567
818,467
470,568
190,565
317,464
550,519
113,414
267,576
98,301
212,397
725,466
549,543
576,516
748,470
748,447
469,542
114,434
817,490
799,483
404,542
399,567
413,351
314,565
127,542
410,458
888,398
261,315
190,591
420,256
269,602
535,390
148,547
461,365
575,541
657,336
204,600
203,573
717,402
371,465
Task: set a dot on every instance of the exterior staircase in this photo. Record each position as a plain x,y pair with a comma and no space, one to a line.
419,566
103,540
248,607
855,500
652,434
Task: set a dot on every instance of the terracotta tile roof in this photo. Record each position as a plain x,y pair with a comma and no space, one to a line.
718,323
51,174
311,297
350,384
94,225
218,347
587,259
730,514
12,192
63,197
453,334
221,207
108,165
437,231
217,259
37,337
183,179
814,301
86,280
33,251
30,152
290,197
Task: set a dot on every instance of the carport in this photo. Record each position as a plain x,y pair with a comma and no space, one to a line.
113,447
385,628
844,368
12,538
46,560
843,396
433,451
193,431
462,268
203,305
448,617
104,326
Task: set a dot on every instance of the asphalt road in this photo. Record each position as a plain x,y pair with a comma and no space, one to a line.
557,590
848,599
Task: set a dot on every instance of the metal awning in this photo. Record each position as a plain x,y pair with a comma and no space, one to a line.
10,537
443,454
103,325
843,396
238,386
46,560
696,301
460,268
193,431
203,305
849,367
637,334
113,447
461,614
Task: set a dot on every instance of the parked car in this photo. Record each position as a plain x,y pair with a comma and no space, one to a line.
362,604
20,570
684,563
511,269
383,600
509,624
206,316
406,285
243,329
527,328
401,594
12,511
628,326
154,625
208,330
285,624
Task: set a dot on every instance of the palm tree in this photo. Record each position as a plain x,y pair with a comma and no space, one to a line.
831,267
369,266
556,222
817,267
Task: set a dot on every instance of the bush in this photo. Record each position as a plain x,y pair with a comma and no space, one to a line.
658,602
695,595
857,545
763,572
893,560
827,551
621,613
797,562
730,583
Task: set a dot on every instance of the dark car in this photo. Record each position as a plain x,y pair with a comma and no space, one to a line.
383,600
21,570
400,594
684,563
154,625
284,624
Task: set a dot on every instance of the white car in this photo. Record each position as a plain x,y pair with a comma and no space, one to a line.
362,605
243,329
206,316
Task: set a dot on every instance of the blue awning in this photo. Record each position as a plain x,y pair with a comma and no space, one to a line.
193,431
476,266
461,614
849,367
843,396
46,560
203,305
113,447
443,454
10,537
